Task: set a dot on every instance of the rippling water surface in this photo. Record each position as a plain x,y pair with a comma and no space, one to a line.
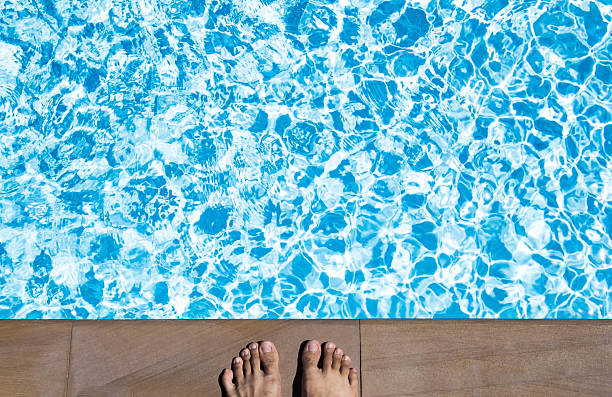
305,159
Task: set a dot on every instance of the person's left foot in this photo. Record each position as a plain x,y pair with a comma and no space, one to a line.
254,374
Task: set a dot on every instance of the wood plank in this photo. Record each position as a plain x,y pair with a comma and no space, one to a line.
34,358
185,358
486,358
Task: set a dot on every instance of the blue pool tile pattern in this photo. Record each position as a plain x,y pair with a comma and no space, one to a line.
305,159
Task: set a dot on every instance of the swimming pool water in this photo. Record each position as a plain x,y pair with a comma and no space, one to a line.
305,159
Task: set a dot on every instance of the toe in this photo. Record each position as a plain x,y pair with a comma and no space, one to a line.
227,385
246,362
255,363
311,355
328,355
346,365
354,378
338,353
269,357
237,369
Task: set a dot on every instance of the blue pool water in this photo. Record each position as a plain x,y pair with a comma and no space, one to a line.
305,159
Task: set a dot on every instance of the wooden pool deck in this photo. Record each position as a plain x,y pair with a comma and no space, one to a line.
395,357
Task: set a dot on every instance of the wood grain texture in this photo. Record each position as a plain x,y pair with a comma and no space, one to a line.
486,358
445,358
34,358
185,358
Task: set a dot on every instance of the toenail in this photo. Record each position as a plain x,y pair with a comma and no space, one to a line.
312,347
339,352
330,346
346,358
253,346
266,347
237,360
245,353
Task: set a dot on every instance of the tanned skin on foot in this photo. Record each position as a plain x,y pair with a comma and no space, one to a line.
255,372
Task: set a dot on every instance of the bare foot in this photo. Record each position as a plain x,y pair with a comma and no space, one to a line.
336,378
256,374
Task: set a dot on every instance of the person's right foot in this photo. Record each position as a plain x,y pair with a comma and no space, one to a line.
336,378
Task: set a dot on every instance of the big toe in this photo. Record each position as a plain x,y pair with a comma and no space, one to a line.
269,357
311,354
